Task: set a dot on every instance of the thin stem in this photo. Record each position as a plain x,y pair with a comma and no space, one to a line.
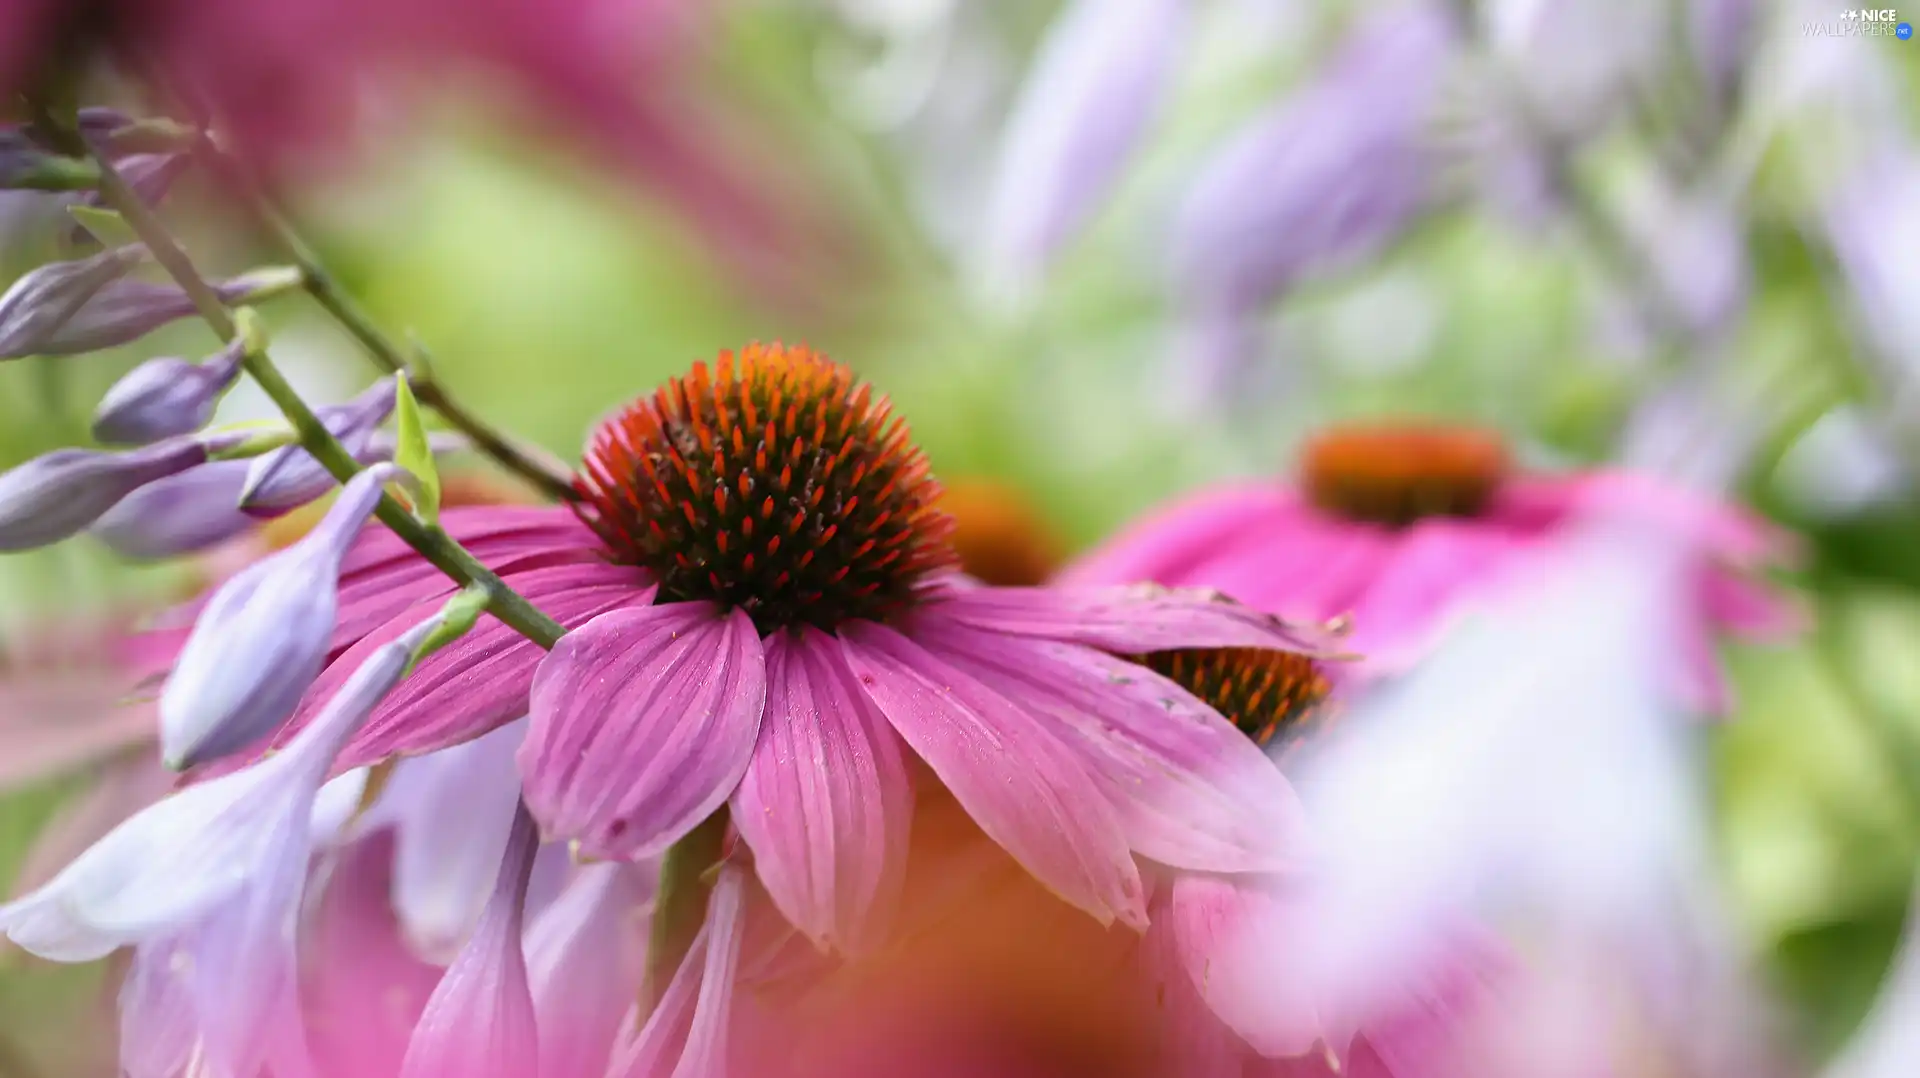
326,291
433,544
680,905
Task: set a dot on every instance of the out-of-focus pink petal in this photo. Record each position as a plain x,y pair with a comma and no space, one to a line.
364,988
1194,1041
1190,789
1309,568
1719,529
1435,565
643,722
1223,931
1135,619
1163,544
1749,608
1026,787
51,727
825,803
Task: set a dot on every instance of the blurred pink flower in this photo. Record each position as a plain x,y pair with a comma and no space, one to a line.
1402,528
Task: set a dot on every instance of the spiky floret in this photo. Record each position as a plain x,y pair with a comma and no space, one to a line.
1397,474
1274,697
774,482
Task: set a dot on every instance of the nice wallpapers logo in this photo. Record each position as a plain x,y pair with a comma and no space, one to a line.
1862,22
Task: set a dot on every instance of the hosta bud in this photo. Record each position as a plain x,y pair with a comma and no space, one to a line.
262,638
181,514
165,397
151,176
57,494
288,478
33,311
126,310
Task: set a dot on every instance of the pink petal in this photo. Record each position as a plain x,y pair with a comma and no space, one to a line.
1415,588
585,956
825,803
364,988
1024,786
1164,547
1223,930
1735,603
705,1054
1191,790
1722,530
643,721
1310,567
1130,620
478,528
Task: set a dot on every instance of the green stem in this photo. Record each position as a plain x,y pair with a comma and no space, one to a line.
680,905
326,291
432,543
1898,753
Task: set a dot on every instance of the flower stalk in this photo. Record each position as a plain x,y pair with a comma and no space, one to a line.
432,542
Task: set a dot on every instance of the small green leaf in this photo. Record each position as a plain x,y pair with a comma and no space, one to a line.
414,453
107,226
457,618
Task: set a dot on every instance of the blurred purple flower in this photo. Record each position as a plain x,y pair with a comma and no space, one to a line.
1873,222
1693,240
165,397
58,494
1326,178
1723,35
1573,65
1094,88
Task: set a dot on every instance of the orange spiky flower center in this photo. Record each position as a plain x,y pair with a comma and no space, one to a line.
773,482
1395,475
1274,697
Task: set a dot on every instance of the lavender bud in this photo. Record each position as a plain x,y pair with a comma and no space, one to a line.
126,310
37,307
1331,175
262,638
165,397
288,478
56,495
181,514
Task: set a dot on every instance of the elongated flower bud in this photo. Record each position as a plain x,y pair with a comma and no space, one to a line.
57,494
288,478
165,397
181,514
262,638
126,310
151,176
40,303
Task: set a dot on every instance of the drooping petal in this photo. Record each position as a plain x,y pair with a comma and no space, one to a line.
705,1054
479,1023
1190,790
157,1028
1025,787
660,1041
1193,1039
1131,620
825,802
585,959
642,723
122,788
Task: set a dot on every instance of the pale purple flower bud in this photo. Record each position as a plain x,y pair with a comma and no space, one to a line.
126,310
289,478
1328,177
584,955
165,397
262,638
181,514
1099,78
479,1022
33,311
58,494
